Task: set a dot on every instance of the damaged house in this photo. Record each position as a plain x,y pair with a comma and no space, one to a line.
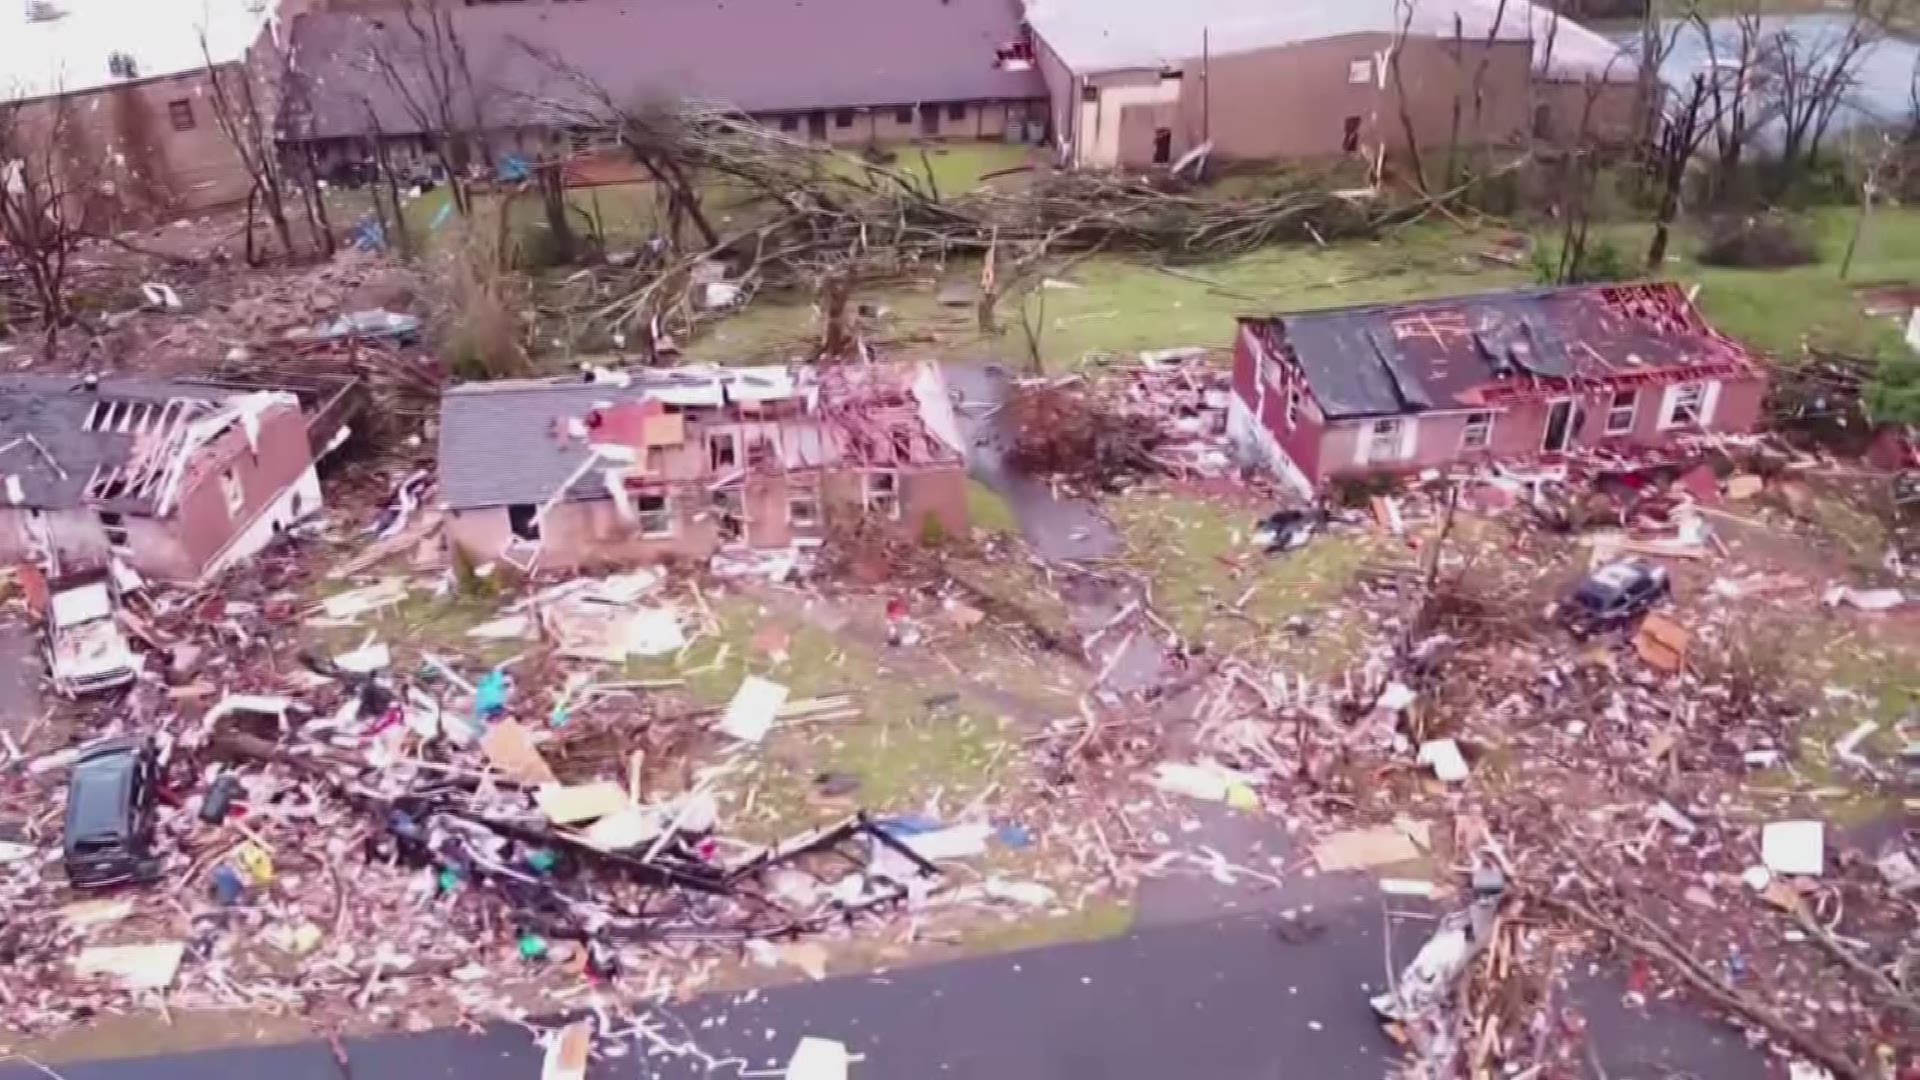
695,460
177,479
1514,376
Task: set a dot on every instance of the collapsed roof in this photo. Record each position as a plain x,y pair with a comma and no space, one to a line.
524,442
1463,352
119,444
751,57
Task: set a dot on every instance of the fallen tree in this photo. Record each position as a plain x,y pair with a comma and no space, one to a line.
821,218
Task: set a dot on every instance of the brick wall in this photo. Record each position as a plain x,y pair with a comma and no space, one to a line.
149,147
592,533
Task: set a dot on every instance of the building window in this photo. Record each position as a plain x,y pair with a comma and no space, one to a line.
1293,406
803,508
1620,410
1383,440
1478,434
523,520
730,504
234,492
654,513
1360,72
1543,122
903,114
180,113
882,494
957,111
1350,136
1685,405
789,122
1162,145
843,118
723,450
115,527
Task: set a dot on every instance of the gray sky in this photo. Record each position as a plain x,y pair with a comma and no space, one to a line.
163,37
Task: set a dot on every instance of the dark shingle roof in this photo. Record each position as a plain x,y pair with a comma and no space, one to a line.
53,410
1397,358
750,55
499,442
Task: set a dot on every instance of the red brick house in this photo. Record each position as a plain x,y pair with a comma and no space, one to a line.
178,479
1530,375
694,460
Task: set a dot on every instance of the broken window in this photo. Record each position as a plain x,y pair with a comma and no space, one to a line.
789,122
843,118
1478,434
1383,440
723,450
903,114
234,492
1685,405
1360,72
882,494
115,527
1620,410
180,114
1293,406
730,504
653,511
1350,137
759,451
803,508
524,520
1162,145
957,111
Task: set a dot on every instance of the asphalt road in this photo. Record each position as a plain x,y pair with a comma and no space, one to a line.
1223,999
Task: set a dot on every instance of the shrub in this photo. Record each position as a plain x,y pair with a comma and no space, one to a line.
1766,241
476,301
1600,260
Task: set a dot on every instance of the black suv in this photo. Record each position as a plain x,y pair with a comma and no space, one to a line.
1614,596
109,835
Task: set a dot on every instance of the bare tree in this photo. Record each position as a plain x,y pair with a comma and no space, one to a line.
250,133
1681,134
1735,108
1403,22
44,196
1476,87
391,215
1580,183
424,62
1812,76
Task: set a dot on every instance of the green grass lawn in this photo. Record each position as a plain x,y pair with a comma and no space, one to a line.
1779,310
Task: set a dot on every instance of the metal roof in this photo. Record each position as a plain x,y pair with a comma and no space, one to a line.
1093,36
751,55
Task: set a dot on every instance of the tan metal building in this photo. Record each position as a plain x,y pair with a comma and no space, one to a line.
1134,83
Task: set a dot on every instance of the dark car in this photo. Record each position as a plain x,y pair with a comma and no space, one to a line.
109,835
1614,596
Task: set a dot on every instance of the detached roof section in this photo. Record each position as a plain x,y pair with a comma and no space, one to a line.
749,55
1463,352
517,442
1095,36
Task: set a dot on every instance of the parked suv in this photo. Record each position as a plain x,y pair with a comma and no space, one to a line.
109,834
1614,596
